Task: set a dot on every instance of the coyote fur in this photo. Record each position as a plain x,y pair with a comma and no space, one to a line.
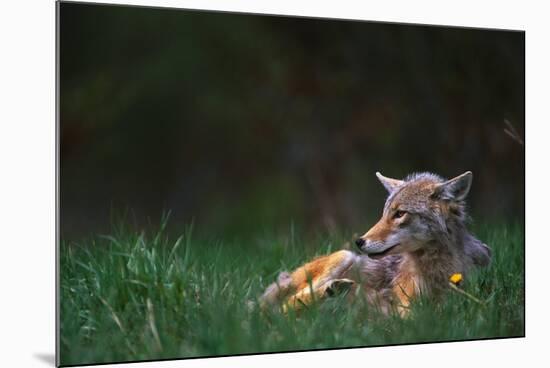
420,241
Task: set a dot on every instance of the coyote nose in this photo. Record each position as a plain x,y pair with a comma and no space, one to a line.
359,242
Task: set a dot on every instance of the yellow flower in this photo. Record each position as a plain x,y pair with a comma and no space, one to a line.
456,278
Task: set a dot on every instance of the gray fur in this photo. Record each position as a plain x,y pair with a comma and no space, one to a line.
442,243
428,244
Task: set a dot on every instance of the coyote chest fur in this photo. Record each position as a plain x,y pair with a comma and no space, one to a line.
418,243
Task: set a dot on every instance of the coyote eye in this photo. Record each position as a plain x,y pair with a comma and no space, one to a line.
399,214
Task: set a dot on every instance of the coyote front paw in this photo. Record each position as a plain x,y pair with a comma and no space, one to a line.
338,287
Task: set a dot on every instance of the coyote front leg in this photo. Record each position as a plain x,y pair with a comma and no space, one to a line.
322,277
308,295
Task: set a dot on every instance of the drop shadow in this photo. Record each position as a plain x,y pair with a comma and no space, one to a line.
46,358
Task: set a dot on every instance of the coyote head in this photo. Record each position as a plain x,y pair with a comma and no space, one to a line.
421,211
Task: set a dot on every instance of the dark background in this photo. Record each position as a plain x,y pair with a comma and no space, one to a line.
248,123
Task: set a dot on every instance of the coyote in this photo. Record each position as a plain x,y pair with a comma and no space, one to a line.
420,241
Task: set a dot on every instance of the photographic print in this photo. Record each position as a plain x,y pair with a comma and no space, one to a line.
235,184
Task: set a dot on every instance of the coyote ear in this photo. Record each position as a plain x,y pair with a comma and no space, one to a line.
388,183
456,188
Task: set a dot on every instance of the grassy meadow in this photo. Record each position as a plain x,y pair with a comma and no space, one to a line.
142,296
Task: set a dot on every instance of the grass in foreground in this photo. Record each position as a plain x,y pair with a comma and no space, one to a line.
134,296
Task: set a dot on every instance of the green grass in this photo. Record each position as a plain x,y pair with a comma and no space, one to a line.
138,296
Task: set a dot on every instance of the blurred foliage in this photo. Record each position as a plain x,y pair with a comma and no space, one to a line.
243,122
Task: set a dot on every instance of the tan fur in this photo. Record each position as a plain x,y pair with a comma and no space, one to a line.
312,279
320,268
379,231
406,286
419,242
